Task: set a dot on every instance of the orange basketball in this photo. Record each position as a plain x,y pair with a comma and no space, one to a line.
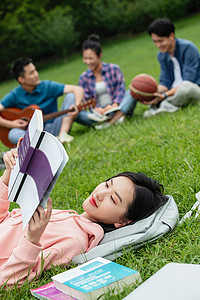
142,87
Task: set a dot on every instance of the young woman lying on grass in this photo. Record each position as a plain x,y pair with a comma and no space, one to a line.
54,237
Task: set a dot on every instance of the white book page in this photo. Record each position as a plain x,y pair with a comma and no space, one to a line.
28,200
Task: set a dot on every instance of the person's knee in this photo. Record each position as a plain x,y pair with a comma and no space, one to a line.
189,90
83,119
68,101
14,135
128,104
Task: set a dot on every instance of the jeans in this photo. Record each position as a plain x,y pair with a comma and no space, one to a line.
14,135
127,106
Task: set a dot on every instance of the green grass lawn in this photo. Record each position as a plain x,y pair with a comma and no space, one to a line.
165,147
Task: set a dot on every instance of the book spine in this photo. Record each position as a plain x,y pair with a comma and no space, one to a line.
25,152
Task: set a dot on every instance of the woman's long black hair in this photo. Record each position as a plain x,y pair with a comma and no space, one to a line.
147,198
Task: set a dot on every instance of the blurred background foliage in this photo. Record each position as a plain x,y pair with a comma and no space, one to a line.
53,29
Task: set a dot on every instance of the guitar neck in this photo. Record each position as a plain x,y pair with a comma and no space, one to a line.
82,106
56,114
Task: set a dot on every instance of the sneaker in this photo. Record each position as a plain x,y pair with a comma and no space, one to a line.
165,106
150,112
120,120
102,126
106,124
65,138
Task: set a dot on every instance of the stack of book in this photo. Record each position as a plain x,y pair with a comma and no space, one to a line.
89,281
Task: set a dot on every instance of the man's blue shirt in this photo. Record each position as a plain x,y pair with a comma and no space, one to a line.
188,57
45,96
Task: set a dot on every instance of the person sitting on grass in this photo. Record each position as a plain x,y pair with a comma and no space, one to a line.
180,69
105,83
42,93
54,237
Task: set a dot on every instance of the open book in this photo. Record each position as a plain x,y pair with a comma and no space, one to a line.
96,116
41,159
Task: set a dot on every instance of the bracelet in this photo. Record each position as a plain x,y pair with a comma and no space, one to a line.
165,95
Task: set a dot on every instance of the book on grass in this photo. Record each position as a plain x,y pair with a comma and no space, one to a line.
50,292
41,159
94,278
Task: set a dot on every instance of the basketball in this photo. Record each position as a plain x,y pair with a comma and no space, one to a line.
142,87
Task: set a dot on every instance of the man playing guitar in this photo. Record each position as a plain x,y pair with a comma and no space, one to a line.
42,93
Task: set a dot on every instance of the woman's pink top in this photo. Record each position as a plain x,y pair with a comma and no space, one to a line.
66,235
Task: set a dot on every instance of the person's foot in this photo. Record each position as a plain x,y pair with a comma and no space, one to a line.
165,106
102,126
107,124
117,116
65,138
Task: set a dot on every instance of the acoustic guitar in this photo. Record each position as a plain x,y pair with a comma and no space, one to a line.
26,114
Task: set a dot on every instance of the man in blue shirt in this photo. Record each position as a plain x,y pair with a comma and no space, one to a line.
42,93
179,69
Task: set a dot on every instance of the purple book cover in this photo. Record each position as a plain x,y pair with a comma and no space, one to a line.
28,160
49,291
36,169
25,152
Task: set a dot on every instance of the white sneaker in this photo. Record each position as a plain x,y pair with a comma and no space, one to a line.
65,138
165,106
150,112
120,120
102,126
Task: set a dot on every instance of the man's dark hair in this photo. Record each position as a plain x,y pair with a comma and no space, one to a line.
17,68
161,27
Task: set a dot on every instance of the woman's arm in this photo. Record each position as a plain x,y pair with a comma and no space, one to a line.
25,258
38,223
10,160
28,260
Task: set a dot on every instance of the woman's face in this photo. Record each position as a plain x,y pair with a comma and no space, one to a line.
91,59
110,200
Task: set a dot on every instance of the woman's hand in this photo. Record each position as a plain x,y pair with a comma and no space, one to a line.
109,106
38,223
100,110
10,160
